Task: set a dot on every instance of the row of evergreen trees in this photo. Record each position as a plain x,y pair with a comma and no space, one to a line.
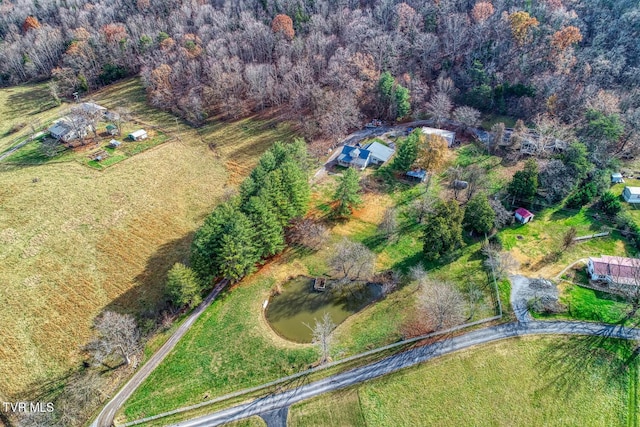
250,226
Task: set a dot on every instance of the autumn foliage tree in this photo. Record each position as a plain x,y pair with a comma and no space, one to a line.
283,24
30,23
566,37
521,22
482,11
432,152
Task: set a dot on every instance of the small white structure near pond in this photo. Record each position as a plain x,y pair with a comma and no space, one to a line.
631,194
138,135
616,178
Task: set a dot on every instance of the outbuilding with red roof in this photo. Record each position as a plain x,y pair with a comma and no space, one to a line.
523,216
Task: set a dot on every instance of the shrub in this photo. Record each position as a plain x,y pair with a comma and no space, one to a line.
610,203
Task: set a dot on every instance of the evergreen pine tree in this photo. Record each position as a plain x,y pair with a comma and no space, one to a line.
183,287
208,240
443,230
403,106
347,193
238,254
269,231
524,184
407,153
478,215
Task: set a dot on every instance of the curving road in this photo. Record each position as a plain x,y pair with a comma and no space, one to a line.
271,403
105,418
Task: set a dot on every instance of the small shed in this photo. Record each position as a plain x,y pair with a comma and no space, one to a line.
114,143
138,135
418,175
523,216
112,130
616,178
631,194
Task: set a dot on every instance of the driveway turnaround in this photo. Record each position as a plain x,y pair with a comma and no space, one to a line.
274,402
105,418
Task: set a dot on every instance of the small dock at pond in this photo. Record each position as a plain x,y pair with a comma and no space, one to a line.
320,284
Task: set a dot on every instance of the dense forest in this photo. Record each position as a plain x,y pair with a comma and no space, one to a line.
573,61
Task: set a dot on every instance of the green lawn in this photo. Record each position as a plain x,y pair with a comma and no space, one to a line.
224,351
531,242
595,306
249,422
518,382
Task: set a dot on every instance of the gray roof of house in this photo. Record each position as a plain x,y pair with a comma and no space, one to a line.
60,128
379,151
633,190
616,175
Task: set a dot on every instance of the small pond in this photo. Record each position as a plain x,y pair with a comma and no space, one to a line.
298,304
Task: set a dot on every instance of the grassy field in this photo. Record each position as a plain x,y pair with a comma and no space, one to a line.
77,241
258,354
21,106
518,382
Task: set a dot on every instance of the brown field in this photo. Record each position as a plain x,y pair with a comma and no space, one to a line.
79,241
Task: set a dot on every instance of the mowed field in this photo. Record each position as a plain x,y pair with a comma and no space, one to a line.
78,241
518,382
21,106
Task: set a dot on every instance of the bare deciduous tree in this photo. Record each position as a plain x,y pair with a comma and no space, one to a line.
439,107
500,263
476,176
442,304
308,233
503,216
322,337
389,225
423,206
118,338
121,116
352,261
468,117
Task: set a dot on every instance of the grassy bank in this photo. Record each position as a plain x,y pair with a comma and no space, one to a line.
76,241
519,382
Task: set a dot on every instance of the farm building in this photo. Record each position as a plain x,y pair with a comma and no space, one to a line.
631,194
523,216
354,157
114,143
91,108
59,129
112,130
64,130
616,178
380,153
615,269
418,175
138,135
449,136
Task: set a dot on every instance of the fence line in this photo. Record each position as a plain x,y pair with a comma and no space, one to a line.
578,239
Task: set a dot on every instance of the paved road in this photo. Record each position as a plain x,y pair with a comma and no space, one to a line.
105,418
271,403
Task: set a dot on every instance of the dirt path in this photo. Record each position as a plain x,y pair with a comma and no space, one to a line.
106,416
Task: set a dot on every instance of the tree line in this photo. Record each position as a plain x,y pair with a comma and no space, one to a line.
332,61
250,226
